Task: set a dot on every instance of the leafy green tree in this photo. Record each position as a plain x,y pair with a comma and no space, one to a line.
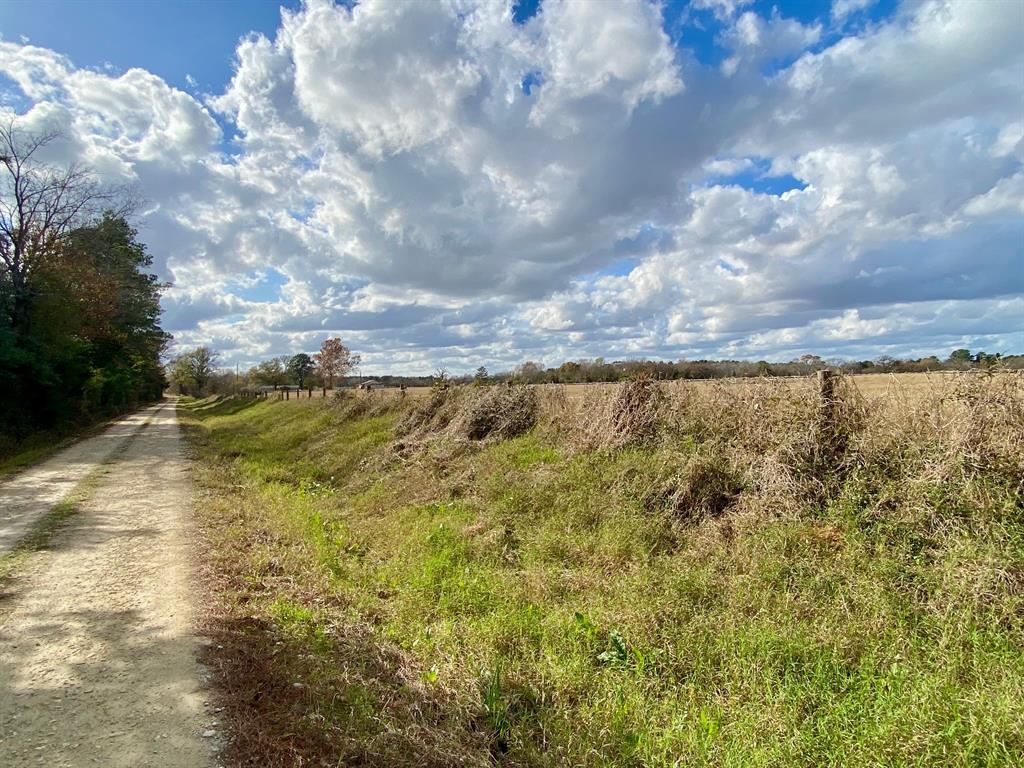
960,356
40,204
79,308
191,371
86,341
271,373
180,375
300,368
202,362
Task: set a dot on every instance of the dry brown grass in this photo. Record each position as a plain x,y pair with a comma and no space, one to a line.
776,434
471,413
904,386
790,449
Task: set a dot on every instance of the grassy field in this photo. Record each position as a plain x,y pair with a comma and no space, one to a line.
872,385
714,574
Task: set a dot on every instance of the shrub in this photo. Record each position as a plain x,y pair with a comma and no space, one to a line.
630,414
502,412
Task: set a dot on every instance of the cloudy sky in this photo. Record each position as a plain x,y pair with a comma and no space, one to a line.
457,182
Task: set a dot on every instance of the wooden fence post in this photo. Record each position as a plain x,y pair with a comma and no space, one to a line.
827,393
830,441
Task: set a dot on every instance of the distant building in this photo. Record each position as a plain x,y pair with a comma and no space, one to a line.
370,384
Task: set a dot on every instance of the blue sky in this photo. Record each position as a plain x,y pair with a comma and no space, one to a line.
462,183
172,39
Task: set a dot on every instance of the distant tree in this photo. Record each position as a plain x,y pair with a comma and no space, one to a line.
334,359
272,372
192,371
986,359
179,374
481,376
300,368
960,356
812,361
885,363
194,368
529,372
568,372
202,363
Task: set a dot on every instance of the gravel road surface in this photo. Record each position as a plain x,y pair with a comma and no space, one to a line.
97,652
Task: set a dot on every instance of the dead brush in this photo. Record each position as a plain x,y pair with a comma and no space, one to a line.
702,487
791,447
364,404
951,446
989,431
499,412
453,417
629,414
433,413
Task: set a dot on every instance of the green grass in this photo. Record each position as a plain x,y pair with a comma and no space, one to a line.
554,609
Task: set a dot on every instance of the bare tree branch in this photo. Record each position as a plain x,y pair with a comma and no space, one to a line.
40,203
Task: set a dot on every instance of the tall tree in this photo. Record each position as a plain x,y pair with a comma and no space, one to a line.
334,359
271,372
89,343
301,367
202,362
39,204
191,371
961,356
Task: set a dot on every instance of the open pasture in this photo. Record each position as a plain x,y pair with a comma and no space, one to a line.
899,387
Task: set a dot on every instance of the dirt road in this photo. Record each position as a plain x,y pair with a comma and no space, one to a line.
97,654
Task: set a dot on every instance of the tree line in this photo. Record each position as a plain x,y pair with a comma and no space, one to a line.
79,309
197,371
598,370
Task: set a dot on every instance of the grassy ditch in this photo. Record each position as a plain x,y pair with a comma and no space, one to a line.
720,576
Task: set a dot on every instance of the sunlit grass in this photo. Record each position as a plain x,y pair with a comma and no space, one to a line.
555,612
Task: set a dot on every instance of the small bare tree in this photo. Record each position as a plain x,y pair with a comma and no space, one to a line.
39,204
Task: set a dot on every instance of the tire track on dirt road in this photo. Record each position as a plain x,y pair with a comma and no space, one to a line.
97,651
28,496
